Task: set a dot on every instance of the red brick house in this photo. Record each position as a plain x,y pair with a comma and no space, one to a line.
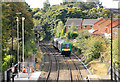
88,23
115,27
96,25
77,22
101,27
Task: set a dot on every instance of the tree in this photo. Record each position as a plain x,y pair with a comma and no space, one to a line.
59,28
46,5
9,29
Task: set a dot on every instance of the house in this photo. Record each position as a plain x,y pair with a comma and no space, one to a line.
88,24
77,22
99,27
115,27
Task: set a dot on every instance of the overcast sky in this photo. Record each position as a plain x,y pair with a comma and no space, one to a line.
39,3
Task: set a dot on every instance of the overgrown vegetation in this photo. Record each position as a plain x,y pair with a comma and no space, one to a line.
9,30
50,17
83,43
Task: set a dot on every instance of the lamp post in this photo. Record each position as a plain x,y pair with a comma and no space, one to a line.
18,40
23,38
18,35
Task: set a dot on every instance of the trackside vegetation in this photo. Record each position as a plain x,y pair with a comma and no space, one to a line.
9,30
85,45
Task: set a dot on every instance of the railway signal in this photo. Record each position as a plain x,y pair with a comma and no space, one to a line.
13,69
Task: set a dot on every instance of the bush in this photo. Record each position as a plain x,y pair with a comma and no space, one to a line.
7,61
94,47
72,35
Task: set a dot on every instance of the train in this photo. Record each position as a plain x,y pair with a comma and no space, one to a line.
64,47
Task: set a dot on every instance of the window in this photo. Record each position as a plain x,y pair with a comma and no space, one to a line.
85,26
65,46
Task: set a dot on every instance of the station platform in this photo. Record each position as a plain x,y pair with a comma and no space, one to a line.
27,76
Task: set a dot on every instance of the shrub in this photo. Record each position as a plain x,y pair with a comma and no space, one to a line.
94,47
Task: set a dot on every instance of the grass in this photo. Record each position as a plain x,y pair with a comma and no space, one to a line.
97,67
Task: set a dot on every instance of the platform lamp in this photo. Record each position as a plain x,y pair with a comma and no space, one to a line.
23,18
19,13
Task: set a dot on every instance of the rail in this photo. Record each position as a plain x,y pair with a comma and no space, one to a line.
57,65
69,70
83,64
50,65
57,69
77,69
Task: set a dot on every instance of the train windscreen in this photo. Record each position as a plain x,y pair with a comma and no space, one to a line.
66,45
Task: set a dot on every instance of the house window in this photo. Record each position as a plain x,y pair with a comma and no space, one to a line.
85,26
91,26
77,27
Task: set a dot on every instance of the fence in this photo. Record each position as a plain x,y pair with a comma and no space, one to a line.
8,73
116,74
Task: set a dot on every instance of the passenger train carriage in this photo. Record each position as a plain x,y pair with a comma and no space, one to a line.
63,46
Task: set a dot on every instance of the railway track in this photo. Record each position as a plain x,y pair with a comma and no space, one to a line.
60,67
70,72
77,78
53,65
57,62
46,68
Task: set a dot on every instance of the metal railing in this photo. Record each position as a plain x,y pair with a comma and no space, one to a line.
8,73
116,74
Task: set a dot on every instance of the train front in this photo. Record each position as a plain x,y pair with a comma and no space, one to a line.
66,48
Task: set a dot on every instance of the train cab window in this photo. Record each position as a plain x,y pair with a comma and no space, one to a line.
66,45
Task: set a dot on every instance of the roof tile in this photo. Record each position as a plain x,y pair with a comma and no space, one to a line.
75,21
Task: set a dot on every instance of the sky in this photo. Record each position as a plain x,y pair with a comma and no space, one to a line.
39,3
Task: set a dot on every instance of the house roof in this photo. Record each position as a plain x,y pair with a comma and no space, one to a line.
117,26
114,19
75,21
89,21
